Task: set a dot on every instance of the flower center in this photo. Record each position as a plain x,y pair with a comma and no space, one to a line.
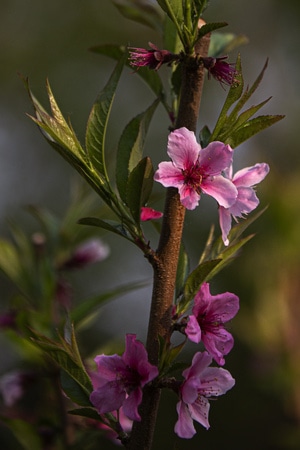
193,177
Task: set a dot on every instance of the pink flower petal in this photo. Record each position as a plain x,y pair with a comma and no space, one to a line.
149,214
215,158
131,404
184,427
188,197
220,189
225,223
169,175
199,411
250,176
193,330
108,398
246,202
183,148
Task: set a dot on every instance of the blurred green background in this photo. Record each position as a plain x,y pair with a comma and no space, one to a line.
51,39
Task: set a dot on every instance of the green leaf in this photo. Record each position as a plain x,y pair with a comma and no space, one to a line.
182,270
174,10
98,119
141,12
109,225
55,127
205,135
194,281
252,127
139,187
236,128
233,95
86,412
67,356
130,148
150,77
85,309
223,43
25,433
209,27
171,40
73,390
9,262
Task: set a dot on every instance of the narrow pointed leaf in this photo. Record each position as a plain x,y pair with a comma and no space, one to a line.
251,128
109,225
182,270
74,390
150,77
249,92
234,94
130,148
91,413
9,262
88,307
197,277
139,187
209,27
141,12
66,358
98,119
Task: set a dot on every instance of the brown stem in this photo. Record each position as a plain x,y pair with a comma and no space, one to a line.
165,263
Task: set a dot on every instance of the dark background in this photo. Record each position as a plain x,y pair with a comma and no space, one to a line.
51,39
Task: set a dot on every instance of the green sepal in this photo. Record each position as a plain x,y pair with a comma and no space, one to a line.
98,120
130,148
139,187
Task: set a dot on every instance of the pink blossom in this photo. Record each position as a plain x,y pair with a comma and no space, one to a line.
222,71
150,214
152,58
210,313
201,383
120,379
88,252
246,200
194,170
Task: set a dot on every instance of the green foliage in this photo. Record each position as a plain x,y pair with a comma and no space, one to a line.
235,127
75,380
130,148
139,187
86,309
141,12
223,43
24,432
97,122
132,175
150,77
